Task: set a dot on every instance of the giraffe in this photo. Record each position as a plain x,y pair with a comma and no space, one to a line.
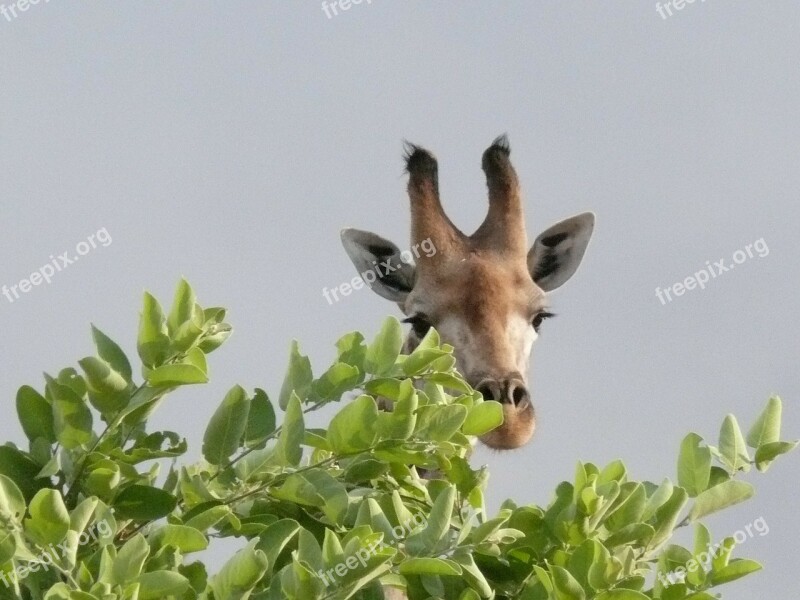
486,293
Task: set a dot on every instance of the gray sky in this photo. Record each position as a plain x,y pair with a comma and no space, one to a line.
229,142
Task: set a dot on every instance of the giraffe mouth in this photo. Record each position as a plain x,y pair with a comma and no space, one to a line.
516,430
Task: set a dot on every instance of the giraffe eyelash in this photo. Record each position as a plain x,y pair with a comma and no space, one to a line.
539,318
419,325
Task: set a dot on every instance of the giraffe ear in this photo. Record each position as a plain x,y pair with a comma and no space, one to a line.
380,264
557,252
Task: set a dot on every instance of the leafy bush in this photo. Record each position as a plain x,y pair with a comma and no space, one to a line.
86,513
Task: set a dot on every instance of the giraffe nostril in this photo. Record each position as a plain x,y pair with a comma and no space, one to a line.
519,395
505,391
488,390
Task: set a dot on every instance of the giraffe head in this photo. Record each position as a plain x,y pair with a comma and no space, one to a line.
486,293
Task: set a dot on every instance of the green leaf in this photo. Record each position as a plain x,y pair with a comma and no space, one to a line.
337,380
12,502
315,438
450,381
718,475
732,448
483,418
143,503
61,591
354,428
421,359
20,469
490,527
621,595
544,579
657,498
240,574
385,348
719,497
151,447
188,333
79,518
226,427
352,349
215,336
101,377
667,515
694,465
298,378
429,566
175,375
613,471
153,341
161,584
639,533
702,542
309,551
439,423
702,539
363,469
35,414
144,401
371,514
590,554
332,551
297,489
289,443
207,518
767,427
8,545
300,581
109,351
737,568
333,493
766,453
182,306
214,315
286,452
438,524
72,419
108,390
276,537
70,378
196,357
400,422
387,387
49,518
628,508
565,585
472,575
260,421
365,576
103,478
183,537
723,555
130,560
197,576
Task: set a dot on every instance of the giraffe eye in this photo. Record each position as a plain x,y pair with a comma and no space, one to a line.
419,325
539,319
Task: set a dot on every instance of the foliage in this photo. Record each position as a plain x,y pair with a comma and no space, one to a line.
86,512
